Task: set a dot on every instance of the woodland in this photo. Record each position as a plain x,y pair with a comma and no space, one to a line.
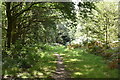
59,40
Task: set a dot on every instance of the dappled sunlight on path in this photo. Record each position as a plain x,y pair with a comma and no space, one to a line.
60,73
84,65
81,64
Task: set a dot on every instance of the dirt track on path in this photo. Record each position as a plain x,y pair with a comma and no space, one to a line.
60,73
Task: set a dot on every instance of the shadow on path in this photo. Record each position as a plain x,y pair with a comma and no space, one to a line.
60,73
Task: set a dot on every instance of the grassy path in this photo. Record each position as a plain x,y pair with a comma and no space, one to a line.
85,65
60,73
78,63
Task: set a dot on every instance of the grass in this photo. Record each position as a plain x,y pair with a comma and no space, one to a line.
85,65
78,62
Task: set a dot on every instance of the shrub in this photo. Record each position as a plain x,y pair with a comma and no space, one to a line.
107,55
73,46
114,64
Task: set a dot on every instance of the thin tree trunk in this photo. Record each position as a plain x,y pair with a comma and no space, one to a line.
9,29
106,35
119,21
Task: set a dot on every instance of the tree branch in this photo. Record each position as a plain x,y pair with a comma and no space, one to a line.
16,6
21,12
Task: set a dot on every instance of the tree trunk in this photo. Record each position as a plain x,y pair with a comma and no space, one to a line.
106,34
9,27
119,21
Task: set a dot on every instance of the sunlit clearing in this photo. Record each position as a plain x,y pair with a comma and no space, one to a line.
87,66
38,73
78,73
88,70
24,75
73,60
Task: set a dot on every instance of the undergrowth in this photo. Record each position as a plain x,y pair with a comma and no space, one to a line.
38,61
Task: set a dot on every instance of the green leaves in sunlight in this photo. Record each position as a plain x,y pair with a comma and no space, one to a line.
83,35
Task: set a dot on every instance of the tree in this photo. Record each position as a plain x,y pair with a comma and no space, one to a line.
36,19
101,25
12,16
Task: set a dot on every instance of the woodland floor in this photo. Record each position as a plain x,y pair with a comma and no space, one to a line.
60,62
80,64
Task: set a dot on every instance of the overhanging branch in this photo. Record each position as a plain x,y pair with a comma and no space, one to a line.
21,12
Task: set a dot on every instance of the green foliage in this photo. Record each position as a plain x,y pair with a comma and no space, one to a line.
28,59
29,29
86,9
39,57
102,23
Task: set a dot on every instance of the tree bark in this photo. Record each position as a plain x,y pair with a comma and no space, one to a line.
9,27
12,22
119,21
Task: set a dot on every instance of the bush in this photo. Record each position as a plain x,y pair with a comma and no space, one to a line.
73,46
96,47
21,56
114,63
